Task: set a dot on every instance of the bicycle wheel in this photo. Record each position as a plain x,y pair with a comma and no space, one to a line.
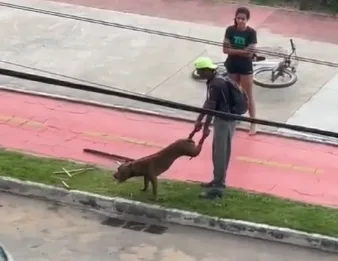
196,76
221,69
289,78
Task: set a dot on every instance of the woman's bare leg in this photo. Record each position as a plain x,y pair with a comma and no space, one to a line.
235,77
246,83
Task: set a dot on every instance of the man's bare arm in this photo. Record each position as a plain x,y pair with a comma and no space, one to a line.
210,104
201,116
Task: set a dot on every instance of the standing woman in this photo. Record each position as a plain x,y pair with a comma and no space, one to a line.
239,44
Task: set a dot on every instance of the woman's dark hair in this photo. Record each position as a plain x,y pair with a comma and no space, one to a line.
242,10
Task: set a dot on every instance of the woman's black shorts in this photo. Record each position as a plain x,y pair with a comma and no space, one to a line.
237,65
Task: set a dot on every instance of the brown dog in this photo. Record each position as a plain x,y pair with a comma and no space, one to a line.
150,167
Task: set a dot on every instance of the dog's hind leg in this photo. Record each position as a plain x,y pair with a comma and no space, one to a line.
146,183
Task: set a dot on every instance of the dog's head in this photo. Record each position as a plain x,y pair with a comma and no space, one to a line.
124,171
188,147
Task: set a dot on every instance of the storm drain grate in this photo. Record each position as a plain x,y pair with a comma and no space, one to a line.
113,222
135,226
154,229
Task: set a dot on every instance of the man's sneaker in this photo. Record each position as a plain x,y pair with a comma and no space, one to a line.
211,184
211,194
208,184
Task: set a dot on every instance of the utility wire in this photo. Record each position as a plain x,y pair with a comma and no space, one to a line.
80,80
155,32
66,76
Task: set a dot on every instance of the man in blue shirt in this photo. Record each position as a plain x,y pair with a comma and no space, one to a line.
218,98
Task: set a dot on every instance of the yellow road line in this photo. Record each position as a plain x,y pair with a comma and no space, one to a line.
17,121
110,137
264,162
280,165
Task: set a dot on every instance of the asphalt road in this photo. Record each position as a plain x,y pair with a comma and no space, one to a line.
38,230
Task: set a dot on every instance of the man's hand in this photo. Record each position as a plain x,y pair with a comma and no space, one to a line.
198,126
206,131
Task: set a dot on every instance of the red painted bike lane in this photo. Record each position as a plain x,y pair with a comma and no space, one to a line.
266,164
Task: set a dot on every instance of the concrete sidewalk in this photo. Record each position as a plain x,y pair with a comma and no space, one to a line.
146,64
285,22
287,168
35,230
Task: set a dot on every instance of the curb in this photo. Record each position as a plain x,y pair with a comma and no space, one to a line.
121,206
292,136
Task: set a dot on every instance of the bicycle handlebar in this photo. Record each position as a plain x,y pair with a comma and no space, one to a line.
292,45
293,49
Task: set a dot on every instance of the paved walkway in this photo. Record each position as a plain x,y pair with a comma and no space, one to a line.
266,164
39,231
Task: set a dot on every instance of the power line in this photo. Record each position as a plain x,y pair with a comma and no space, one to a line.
161,102
78,79
67,77
155,32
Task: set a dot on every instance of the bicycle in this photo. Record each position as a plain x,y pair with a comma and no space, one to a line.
4,255
261,65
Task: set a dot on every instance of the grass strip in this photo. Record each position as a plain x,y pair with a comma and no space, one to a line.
236,205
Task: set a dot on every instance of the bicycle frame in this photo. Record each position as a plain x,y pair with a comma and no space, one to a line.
259,64
283,65
278,65
266,63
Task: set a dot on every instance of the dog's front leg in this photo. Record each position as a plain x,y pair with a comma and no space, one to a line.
146,183
153,180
